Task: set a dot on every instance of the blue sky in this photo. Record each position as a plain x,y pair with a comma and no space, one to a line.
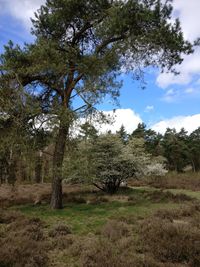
167,101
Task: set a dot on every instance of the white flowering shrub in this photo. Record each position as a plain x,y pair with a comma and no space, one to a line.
155,169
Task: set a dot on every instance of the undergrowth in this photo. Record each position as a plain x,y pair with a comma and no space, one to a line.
138,227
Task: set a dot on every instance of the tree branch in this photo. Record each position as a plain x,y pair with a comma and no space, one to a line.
96,185
79,34
86,27
84,100
79,108
109,41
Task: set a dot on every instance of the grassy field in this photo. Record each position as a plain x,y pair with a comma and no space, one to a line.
139,226
90,216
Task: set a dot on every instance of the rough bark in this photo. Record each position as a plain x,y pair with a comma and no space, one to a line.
56,196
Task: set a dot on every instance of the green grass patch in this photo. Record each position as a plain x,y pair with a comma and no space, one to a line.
84,218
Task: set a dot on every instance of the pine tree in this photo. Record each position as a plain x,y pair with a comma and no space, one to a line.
80,48
194,147
123,134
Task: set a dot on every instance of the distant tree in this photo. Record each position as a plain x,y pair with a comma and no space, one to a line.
41,138
17,108
176,149
151,138
80,48
139,132
194,148
88,131
123,134
77,167
153,142
21,136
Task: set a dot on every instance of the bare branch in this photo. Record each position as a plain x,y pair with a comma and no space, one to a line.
96,185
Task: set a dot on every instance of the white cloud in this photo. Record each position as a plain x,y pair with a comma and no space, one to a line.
177,95
127,117
22,10
190,123
171,95
149,109
189,68
165,79
188,13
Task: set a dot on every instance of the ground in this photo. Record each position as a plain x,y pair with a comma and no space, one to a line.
139,226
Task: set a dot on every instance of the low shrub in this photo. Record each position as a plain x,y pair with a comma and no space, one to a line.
102,252
186,211
62,243
19,251
59,230
171,242
7,217
115,230
24,244
97,200
188,180
128,219
71,198
159,196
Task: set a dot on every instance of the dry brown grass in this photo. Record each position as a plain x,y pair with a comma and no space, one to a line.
168,238
172,242
27,242
102,250
59,230
188,212
23,194
173,236
22,241
115,230
189,181
40,193
122,251
160,196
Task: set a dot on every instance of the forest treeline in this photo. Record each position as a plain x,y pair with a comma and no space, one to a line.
26,153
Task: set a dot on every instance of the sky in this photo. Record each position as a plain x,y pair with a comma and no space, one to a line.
168,100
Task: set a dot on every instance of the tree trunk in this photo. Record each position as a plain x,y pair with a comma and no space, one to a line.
38,167
12,169
56,197
193,166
